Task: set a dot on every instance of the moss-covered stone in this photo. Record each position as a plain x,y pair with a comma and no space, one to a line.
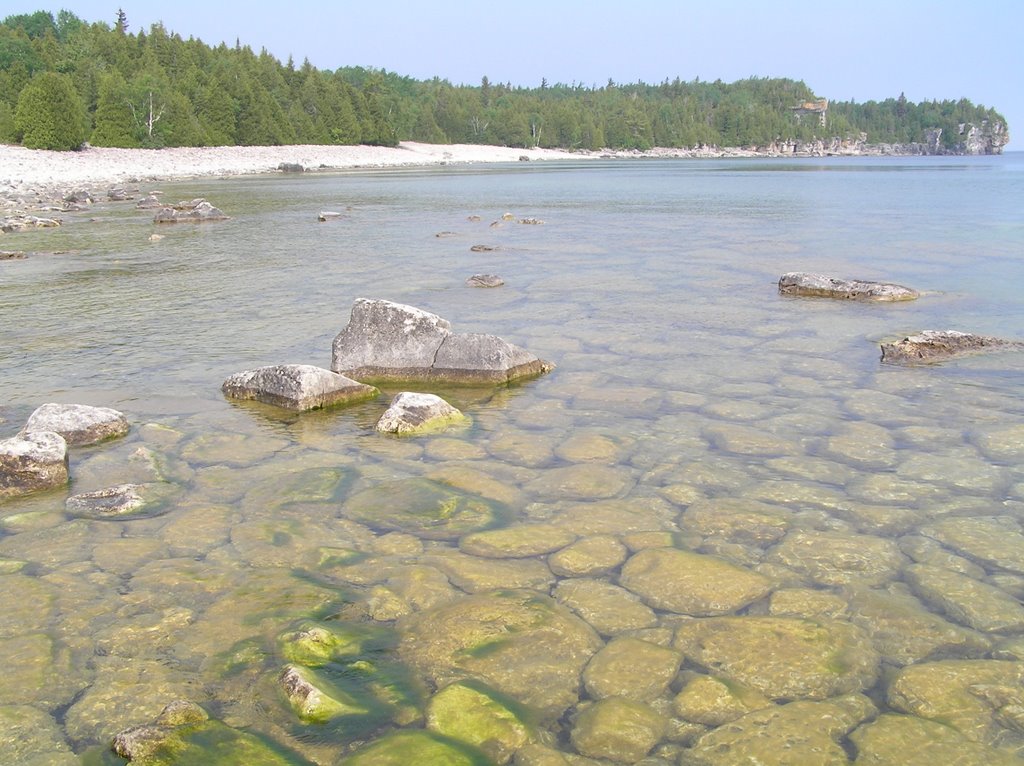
316,699
473,713
520,541
995,542
911,741
966,600
416,747
712,702
833,558
316,644
424,508
591,556
609,609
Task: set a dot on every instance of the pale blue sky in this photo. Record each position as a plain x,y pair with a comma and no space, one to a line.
870,49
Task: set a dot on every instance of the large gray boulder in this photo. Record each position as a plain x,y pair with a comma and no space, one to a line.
296,387
821,286
79,424
32,461
392,341
938,345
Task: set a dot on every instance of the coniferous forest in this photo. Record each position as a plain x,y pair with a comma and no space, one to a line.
65,81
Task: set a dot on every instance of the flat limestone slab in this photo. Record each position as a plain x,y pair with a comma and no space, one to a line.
821,286
939,345
296,387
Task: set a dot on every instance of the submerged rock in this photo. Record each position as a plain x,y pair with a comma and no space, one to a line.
31,462
31,737
821,286
966,600
519,642
782,657
315,699
296,387
938,345
472,713
424,508
609,609
710,701
120,502
194,211
832,558
79,424
691,583
994,542
618,729
632,668
391,341
520,541
412,747
800,732
912,741
411,413
484,280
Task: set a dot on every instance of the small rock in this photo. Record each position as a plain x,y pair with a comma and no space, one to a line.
122,501
618,729
196,211
471,712
445,234
484,248
938,345
11,255
290,167
296,387
484,280
524,158
818,285
32,461
327,215
531,221
632,668
412,412
79,424
118,195
149,202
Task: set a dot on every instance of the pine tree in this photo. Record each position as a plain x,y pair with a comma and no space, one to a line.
114,121
50,115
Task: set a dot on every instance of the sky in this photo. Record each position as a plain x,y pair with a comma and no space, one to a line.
871,49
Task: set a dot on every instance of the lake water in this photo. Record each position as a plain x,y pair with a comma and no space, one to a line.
692,409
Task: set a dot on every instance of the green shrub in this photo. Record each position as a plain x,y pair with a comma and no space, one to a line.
50,115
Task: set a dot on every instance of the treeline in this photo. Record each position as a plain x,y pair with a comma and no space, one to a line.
64,81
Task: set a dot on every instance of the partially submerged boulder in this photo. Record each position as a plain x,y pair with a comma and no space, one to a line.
484,280
79,424
193,211
821,286
412,412
938,345
120,502
296,387
392,341
31,462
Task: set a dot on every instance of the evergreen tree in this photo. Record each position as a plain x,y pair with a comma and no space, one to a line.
114,121
50,115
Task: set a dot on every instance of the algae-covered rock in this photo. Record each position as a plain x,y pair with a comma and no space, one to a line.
315,698
994,542
631,668
618,729
314,644
712,702
519,642
903,631
473,713
966,600
738,521
608,608
296,387
911,741
424,508
802,732
806,602
832,558
122,502
591,556
978,698
582,481
183,734
30,737
691,583
518,541
782,657
474,574
404,748
938,345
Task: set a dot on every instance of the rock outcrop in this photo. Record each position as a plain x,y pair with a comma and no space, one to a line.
296,387
938,345
821,286
31,462
79,424
392,341
412,412
194,211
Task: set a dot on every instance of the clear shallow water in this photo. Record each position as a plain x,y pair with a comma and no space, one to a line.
685,388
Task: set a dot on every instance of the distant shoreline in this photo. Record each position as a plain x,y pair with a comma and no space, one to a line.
36,179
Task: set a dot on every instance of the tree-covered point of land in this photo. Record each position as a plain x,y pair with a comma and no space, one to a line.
153,88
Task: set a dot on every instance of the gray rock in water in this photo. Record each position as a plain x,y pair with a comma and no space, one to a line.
392,341
938,345
821,286
484,280
79,424
296,387
123,501
412,412
195,211
327,215
149,202
32,461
